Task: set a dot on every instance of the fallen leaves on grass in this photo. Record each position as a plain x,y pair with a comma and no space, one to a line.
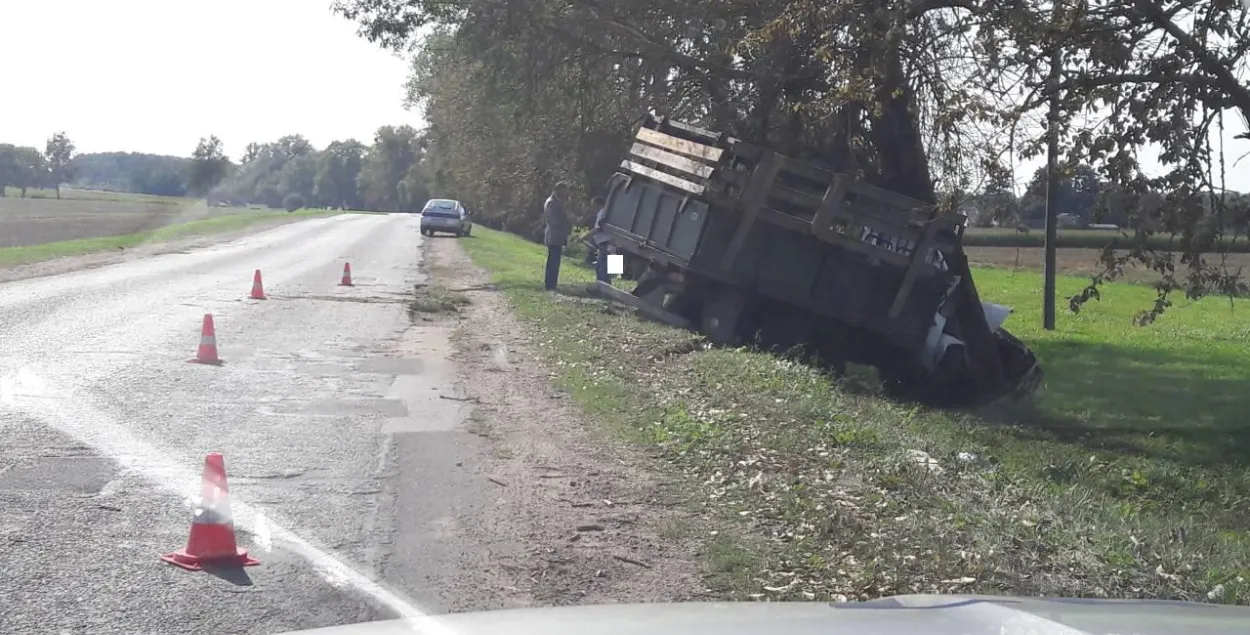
835,493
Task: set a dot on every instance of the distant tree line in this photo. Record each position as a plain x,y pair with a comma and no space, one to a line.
1083,199
132,172
388,175
385,176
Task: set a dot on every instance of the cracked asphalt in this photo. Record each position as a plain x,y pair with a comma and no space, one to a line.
104,426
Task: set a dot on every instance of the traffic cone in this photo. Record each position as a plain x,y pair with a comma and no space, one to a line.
258,288
207,352
347,275
212,543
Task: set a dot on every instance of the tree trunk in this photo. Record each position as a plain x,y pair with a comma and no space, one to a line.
901,158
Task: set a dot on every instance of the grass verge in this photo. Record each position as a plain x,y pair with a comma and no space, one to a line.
1126,478
11,256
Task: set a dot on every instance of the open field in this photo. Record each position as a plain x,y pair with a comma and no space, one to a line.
229,222
35,221
68,193
1126,477
1082,238
1078,261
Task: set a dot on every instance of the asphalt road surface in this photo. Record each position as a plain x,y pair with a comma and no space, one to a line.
104,426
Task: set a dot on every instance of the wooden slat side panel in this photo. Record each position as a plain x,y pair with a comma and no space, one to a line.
680,146
672,160
668,179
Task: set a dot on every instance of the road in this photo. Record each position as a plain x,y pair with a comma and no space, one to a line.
105,427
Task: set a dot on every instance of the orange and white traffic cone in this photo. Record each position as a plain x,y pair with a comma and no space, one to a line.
347,275
212,543
258,288
207,352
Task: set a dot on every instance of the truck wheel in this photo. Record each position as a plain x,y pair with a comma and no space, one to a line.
722,318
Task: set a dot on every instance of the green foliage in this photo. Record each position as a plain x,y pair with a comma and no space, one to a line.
292,202
386,176
209,166
135,172
914,95
390,177
59,156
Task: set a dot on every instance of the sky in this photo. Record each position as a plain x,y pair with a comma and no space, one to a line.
157,75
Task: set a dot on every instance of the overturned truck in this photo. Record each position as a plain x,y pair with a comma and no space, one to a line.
747,245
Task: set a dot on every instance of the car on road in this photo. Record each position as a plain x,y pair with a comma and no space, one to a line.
445,215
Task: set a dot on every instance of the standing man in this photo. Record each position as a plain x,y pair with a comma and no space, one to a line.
600,240
557,232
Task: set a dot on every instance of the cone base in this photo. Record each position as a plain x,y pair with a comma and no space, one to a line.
346,284
189,562
206,362
257,297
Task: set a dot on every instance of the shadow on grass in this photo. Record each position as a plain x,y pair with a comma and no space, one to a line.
1146,402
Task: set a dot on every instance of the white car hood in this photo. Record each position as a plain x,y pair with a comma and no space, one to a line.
900,615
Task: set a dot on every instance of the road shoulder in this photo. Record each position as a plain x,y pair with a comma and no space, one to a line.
576,517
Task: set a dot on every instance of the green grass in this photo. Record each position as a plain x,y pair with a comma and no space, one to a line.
1126,478
1087,238
10,256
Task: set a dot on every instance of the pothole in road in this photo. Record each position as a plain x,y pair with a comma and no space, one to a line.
391,365
340,408
372,299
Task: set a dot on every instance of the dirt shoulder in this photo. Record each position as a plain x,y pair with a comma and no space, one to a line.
578,517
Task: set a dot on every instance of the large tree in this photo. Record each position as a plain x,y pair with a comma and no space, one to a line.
59,155
209,166
915,95
388,162
30,168
338,168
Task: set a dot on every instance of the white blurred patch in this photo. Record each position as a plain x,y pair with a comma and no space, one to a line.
616,262
22,385
262,533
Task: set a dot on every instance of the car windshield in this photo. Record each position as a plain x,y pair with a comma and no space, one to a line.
761,302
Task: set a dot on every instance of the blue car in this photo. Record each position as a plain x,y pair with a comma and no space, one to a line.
447,216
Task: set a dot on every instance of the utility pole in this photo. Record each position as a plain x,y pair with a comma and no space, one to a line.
1052,176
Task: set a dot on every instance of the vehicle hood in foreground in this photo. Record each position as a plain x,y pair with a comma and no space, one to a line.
900,615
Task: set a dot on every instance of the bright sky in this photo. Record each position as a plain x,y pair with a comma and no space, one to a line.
156,75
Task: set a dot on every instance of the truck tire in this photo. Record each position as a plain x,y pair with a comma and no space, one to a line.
723,316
